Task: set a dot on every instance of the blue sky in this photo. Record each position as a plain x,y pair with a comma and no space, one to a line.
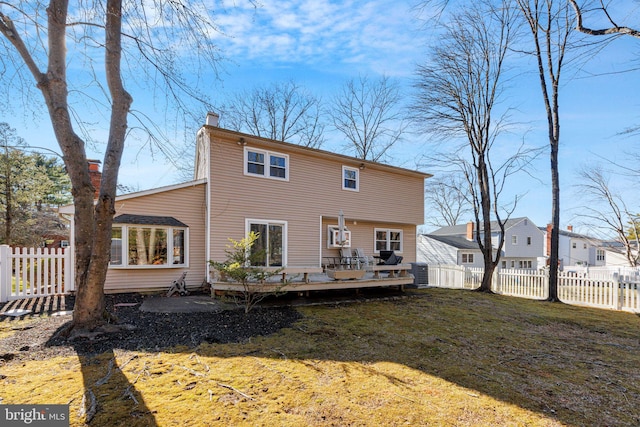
321,44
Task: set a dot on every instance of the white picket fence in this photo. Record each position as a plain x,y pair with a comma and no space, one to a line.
612,291
34,272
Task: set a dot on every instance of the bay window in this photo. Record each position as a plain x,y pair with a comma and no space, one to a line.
140,241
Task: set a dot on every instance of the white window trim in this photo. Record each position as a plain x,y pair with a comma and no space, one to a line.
267,163
332,237
357,171
388,231
285,231
467,261
125,248
514,239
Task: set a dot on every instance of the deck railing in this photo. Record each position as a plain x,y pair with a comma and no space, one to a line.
613,291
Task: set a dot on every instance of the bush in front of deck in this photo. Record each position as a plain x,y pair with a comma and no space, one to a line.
240,266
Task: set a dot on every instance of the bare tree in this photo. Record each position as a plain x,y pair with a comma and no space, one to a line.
458,89
367,113
447,200
550,26
40,45
602,11
605,207
281,111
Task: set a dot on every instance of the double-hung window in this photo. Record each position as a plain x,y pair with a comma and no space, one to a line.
266,164
350,178
467,258
141,241
388,240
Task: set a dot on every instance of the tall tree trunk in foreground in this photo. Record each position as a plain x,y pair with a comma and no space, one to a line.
92,223
549,23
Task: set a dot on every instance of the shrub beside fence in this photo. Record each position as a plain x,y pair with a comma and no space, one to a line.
34,272
613,291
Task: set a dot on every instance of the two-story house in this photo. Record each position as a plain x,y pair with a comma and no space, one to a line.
581,250
523,245
292,195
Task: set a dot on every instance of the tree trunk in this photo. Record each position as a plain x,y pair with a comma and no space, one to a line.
92,230
8,214
92,299
554,140
486,246
555,228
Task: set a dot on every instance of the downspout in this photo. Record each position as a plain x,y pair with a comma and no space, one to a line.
212,119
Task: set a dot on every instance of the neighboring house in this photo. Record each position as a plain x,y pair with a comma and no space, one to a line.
448,250
523,245
610,254
290,194
576,249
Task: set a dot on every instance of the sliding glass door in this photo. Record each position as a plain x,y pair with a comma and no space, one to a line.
271,243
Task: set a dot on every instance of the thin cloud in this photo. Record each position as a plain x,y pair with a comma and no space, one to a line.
377,34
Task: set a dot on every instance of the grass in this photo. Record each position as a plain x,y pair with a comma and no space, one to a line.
445,358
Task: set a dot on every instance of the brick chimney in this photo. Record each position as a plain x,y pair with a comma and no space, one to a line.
470,230
95,175
549,228
570,228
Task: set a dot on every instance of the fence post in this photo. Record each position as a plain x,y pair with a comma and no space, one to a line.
5,272
619,293
69,270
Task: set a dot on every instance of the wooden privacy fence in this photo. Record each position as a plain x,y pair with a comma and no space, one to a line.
34,272
615,291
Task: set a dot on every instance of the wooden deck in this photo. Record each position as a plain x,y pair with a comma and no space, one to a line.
304,279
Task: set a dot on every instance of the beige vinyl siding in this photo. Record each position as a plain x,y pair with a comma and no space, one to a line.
313,191
363,236
186,204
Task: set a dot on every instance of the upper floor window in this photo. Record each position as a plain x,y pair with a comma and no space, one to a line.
514,240
574,245
600,255
467,258
350,178
528,241
266,164
388,240
147,241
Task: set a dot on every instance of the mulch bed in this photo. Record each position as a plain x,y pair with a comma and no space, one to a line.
37,335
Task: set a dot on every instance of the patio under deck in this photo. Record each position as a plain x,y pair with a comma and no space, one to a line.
313,281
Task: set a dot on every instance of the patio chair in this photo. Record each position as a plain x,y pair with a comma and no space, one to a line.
362,258
347,258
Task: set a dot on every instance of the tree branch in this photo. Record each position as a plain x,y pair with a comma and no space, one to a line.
613,30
